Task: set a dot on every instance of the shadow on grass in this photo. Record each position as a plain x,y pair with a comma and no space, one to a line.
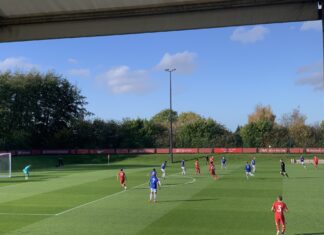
163,186
105,167
269,178
189,200
20,179
41,162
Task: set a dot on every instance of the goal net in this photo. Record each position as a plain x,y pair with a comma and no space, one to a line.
5,165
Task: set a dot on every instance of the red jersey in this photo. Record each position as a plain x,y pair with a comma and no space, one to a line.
212,169
121,175
211,159
196,164
279,209
316,160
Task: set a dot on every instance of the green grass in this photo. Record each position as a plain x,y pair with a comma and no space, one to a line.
84,197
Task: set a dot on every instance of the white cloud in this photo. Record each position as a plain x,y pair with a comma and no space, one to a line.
79,72
72,61
311,75
122,79
252,35
184,62
311,25
16,63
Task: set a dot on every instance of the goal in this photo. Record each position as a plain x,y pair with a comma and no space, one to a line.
5,165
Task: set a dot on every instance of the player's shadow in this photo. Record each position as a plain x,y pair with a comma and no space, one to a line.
268,178
189,200
320,233
163,186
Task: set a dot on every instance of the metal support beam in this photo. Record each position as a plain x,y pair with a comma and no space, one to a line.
161,16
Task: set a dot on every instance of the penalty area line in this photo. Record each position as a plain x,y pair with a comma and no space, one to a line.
97,200
112,195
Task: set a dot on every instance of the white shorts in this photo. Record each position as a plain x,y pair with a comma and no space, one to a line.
248,173
153,190
183,168
163,170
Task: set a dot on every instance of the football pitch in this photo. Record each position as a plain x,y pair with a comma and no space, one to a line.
87,198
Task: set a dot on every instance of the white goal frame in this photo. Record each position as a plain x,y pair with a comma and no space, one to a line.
3,174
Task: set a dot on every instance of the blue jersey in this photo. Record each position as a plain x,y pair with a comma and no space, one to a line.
163,165
182,163
154,182
247,168
223,161
302,159
253,162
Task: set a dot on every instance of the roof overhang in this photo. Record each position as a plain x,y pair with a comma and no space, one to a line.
50,19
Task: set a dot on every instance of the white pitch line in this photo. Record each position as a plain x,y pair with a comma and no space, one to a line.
191,182
24,214
97,200
111,195
88,203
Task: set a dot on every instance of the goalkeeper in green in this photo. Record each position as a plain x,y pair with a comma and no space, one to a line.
26,171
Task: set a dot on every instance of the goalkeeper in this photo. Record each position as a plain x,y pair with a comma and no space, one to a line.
26,171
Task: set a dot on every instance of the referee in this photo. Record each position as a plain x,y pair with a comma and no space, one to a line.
283,168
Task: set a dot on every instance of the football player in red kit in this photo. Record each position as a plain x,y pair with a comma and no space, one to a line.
122,178
212,171
279,208
315,161
197,167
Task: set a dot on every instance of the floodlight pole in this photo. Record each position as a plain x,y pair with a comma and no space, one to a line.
170,115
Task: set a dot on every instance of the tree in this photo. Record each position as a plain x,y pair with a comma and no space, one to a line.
295,118
257,134
321,141
45,111
202,133
258,131
163,117
37,105
262,113
187,118
300,134
322,125
105,133
236,140
279,137
133,134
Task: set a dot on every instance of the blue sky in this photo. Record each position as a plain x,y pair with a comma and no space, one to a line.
221,73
